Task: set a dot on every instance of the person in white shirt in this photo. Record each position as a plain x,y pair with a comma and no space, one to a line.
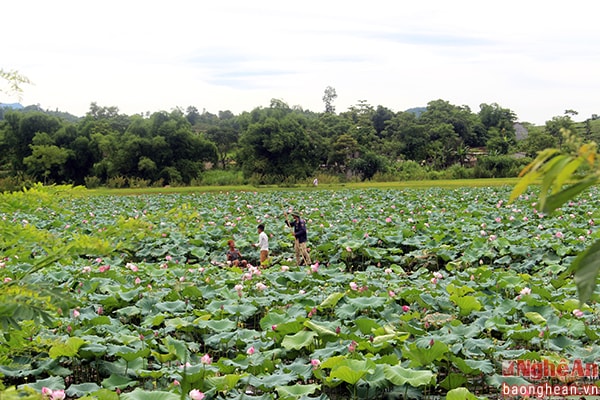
263,244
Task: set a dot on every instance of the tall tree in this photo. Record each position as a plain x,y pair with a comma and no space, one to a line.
328,98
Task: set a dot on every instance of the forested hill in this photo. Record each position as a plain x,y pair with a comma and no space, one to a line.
272,145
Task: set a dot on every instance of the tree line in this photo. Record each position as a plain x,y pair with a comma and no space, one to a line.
268,145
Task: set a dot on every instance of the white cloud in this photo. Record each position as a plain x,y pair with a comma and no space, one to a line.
536,58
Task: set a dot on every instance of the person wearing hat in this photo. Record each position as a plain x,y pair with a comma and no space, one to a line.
299,228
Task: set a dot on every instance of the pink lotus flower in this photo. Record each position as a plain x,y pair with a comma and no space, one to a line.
261,286
315,363
86,269
559,235
274,327
353,286
132,267
250,351
57,395
176,382
285,268
352,346
46,391
578,313
391,293
100,310
349,249
314,267
525,291
75,313
388,220
388,271
138,280
195,394
206,360
104,268
405,308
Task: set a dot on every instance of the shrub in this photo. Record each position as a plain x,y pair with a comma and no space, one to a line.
136,182
410,171
116,182
325,179
459,172
502,166
92,182
219,177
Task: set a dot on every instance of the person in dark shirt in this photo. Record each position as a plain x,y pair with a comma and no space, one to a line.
234,256
299,227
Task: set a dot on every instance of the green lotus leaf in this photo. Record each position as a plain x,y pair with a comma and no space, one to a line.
460,393
296,391
140,394
68,348
321,330
118,381
82,389
299,340
535,317
224,382
219,325
399,376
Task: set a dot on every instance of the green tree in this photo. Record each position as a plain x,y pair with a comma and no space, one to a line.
462,120
344,149
275,148
557,125
380,118
20,131
406,137
537,140
44,160
368,165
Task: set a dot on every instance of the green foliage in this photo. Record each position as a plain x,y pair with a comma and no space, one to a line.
564,176
500,166
117,182
278,145
416,291
92,182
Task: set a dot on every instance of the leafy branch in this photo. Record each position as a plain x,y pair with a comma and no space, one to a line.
562,176
15,80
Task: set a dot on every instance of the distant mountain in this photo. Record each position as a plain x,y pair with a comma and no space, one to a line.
417,111
14,106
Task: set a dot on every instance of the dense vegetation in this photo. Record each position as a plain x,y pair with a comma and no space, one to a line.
275,145
413,293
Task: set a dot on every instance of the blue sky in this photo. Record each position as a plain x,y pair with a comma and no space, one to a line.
538,58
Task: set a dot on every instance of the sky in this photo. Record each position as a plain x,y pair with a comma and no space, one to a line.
536,58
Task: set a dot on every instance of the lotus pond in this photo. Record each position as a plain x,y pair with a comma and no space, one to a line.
412,293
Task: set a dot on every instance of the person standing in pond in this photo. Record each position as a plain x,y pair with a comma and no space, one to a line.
301,238
263,244
234,257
